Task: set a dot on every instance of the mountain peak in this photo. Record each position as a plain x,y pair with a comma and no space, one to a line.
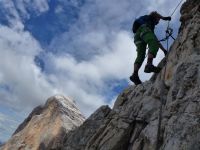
47,125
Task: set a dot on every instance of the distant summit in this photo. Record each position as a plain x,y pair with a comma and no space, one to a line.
46,126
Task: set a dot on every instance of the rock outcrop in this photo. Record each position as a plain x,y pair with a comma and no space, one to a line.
78,138
46,127
133,122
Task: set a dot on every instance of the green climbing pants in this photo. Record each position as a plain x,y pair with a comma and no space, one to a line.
144,36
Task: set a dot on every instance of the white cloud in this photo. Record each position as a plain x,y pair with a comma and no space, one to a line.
37,6
16,12
11,14
7,125
164,7
26,86
40,5
86,80
59,9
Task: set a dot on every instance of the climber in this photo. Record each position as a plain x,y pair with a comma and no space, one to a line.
143,28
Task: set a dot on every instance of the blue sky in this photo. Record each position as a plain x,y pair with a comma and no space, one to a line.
82,49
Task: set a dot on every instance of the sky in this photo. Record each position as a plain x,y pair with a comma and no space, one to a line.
82,49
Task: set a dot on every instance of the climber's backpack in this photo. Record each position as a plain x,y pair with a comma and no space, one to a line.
138,22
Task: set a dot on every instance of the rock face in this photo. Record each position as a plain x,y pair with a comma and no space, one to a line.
46,126
77,139
174,93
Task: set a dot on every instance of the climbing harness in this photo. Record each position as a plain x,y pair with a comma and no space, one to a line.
169,32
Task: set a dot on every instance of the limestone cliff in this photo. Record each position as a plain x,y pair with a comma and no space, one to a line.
132,124
46,127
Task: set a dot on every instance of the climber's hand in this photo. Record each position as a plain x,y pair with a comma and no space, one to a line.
167,18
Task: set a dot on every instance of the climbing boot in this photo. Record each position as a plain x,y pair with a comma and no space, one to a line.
134,78
151,68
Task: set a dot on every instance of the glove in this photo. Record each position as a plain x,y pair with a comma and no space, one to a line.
167,18
165,52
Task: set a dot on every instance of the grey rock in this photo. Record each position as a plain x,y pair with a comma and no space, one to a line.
77,139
